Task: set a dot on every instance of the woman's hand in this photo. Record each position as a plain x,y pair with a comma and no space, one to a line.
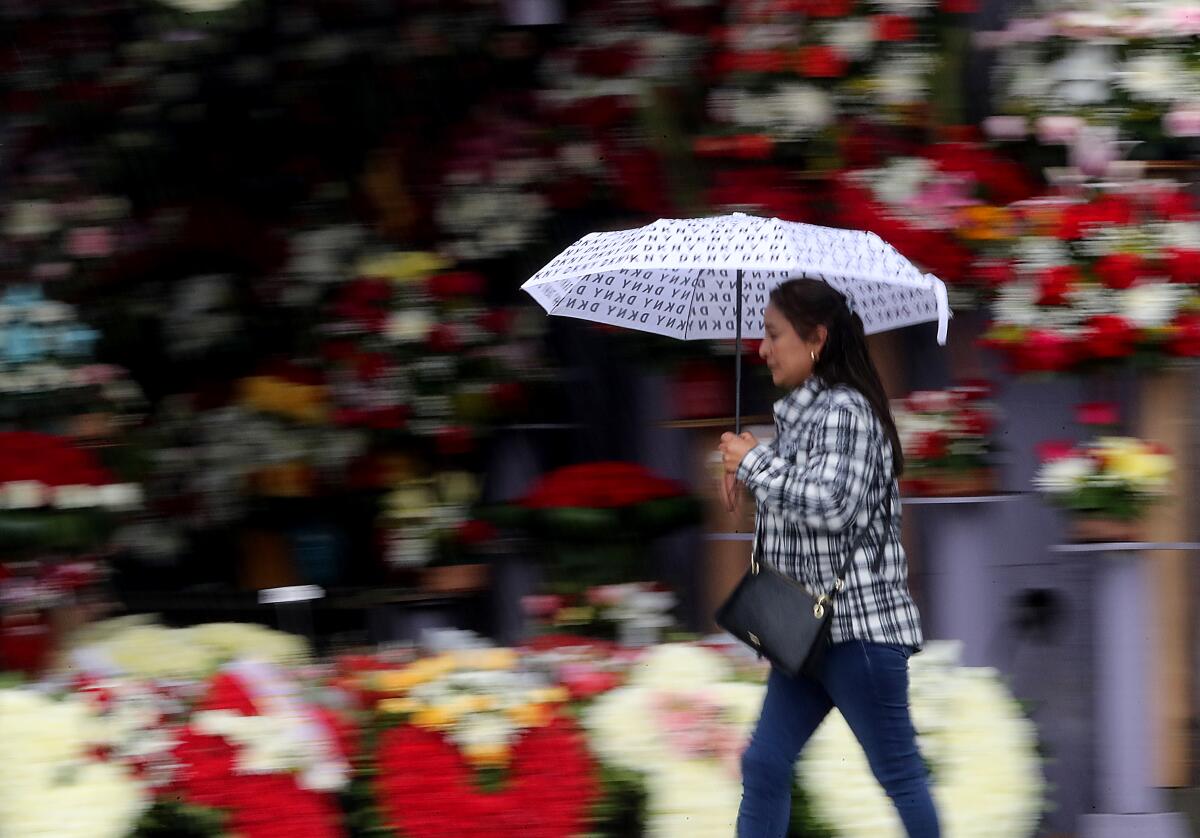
734,449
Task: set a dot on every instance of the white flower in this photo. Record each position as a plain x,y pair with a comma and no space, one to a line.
1153,305
902,80
1084,74
801,109
1064,475
853,38
1156,76
409,325
31,219
22,494
986,778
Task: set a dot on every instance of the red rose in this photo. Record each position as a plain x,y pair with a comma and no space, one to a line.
1185,336
932,446
454,440
993,273
474,532
1108,336
1120,270
1175,205
1105,414
820,62
1055,283
828,8
1182,266
1052,450
443,338
1045,352
894,28
1078,219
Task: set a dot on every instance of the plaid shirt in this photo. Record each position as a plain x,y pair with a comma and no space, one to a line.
817,484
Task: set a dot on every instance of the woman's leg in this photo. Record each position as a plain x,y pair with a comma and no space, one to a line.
792,709
869,685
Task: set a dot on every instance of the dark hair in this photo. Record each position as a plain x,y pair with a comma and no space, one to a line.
809,303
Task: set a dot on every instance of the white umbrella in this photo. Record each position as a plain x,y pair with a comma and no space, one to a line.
694,278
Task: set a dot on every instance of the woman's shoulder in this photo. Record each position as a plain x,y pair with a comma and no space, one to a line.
843,397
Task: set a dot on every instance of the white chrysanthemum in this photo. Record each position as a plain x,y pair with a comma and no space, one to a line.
1153,305
1084,75
986,777
1064,475
902,80
853,38
1156,76
801,109
687,794
49,783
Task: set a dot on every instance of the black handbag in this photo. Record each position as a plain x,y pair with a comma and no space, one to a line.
781,619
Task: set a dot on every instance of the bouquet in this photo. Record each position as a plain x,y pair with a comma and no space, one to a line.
947,442
634,613
1099,279
1095,73
1109,478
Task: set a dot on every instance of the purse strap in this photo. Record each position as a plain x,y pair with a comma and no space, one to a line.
840,580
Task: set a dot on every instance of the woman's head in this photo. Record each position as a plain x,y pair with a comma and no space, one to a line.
810,330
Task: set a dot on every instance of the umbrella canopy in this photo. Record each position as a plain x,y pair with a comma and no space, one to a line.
679,277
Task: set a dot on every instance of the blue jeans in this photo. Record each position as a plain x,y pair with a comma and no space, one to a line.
868,683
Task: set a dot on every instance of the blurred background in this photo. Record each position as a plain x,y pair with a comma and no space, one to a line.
313,523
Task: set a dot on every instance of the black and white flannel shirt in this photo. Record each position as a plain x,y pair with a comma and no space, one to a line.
817,485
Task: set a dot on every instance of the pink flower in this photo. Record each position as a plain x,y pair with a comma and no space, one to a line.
1182,122
90,242
1058,129
1006,127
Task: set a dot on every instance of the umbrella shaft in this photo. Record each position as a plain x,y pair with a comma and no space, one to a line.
737,353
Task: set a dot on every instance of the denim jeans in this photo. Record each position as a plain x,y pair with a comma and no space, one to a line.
868,683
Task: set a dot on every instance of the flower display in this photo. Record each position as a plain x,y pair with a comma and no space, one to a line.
38,470
1088,72
635,613
792,72
53,778
428,518
478,698
256,751
139,648
945,434
946,209
425,789
680,724
1099,280
985,772
1110,477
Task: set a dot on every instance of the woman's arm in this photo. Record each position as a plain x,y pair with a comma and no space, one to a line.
829,490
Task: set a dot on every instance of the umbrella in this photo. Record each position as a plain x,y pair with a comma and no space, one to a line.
708,278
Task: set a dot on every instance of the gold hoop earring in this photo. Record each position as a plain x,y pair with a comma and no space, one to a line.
812,355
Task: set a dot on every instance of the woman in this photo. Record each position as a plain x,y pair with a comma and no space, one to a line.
831,468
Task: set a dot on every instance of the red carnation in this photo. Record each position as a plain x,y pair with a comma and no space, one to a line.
1185,336
1045,352
1103,414
820,62
1052,450
932,446
1108,336
1120,270
456,284
894,28
993,273
454,440
1182,266
443,338
1055,283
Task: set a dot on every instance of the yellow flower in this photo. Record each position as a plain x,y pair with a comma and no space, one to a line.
398,706
487,754
487,659
550,695
401,266
529,715
434,718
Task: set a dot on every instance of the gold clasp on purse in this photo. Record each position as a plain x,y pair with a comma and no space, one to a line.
819,608
754,638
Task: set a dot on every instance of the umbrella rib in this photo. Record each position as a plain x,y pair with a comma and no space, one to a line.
687,324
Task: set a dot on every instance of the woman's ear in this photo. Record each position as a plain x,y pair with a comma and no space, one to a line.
822,335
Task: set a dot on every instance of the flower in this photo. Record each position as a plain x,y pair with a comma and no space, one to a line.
981,748
1117,477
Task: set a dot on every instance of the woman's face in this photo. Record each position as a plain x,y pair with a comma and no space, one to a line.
789,357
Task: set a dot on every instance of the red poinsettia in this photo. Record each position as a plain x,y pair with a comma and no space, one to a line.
1185,336
1044,351
1182,266
602,485
426,789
